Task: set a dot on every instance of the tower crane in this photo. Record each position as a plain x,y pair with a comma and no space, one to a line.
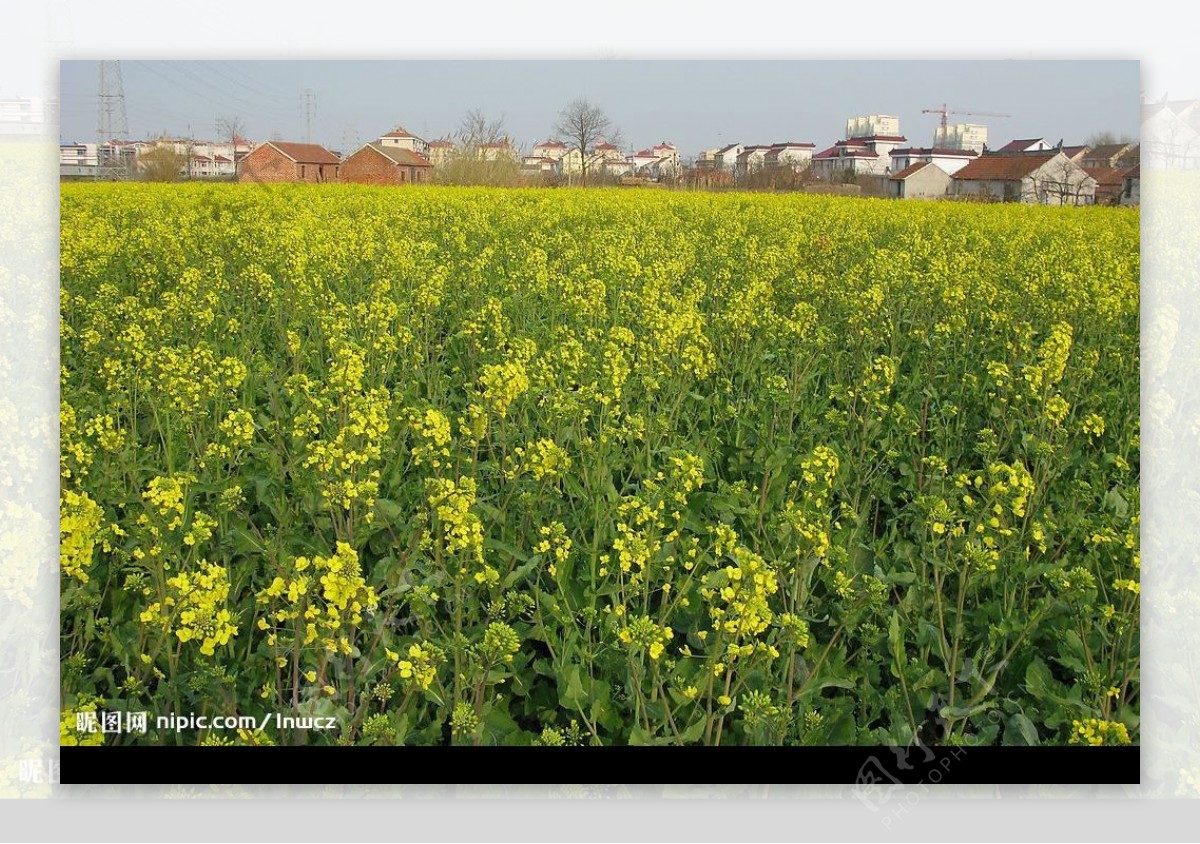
945,111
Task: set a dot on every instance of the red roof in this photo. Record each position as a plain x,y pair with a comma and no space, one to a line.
1020,144
442,144
555,144
1134,172
305,153
846,149
605,145
868,138
1109,176
910,169
400,132
222,158
1000,167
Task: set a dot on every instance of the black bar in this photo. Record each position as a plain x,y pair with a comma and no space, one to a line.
867,766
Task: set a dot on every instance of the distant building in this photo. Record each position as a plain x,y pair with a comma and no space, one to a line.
872,125
1132,190
1106,155
1110,183
440,151
869,155
752,159
789,154
553,148
1076,153
1043,178
283,161
725,158
376,164
499,150
607,151
1026,145
923,180
972,136
950,160
401,137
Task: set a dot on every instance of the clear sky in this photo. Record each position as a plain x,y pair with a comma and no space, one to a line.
694,104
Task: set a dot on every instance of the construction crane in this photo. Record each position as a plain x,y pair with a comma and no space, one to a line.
945,111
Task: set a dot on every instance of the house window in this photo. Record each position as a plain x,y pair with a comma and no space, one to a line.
303,171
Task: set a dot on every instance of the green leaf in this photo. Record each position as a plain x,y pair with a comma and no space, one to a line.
1020,731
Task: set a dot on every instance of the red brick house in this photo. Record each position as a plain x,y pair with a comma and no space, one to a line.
376,164
282,161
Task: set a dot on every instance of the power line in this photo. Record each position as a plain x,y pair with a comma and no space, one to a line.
281,98
308,102
111,121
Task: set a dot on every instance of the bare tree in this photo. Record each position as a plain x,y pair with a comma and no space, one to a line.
484,154
232,128
477,129
161,164
1060,181
583,125
1106,138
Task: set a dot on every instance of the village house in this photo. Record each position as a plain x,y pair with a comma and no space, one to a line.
1110,183
752,159
725,158
376,164
789,154
1044,178
1132,189
1110,156
553,149
921,180
1076,153
1025,145
404,139
499,150
440,151
284,161
949,160
860,156
607,151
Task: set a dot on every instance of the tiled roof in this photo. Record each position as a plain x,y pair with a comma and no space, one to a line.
1134,172
841,150
399,155
1110,176
955,153
400,132
305,153
1000,167
1105,151
1072,152
1020,144
555,144
910,169
441,144
724,150
869,138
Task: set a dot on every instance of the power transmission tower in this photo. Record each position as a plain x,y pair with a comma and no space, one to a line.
308,103
112,124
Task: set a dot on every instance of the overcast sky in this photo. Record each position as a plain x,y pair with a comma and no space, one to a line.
694,104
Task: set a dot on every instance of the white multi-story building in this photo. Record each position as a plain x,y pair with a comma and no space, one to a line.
872,125
961,136
401,137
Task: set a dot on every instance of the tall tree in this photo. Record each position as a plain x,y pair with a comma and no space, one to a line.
583,125
232,128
